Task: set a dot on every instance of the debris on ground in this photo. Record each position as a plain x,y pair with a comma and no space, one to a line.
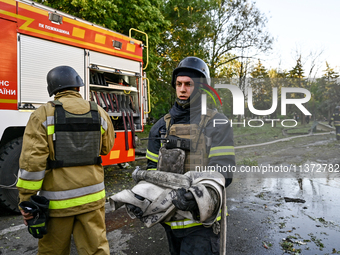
294,200
287,245
265,245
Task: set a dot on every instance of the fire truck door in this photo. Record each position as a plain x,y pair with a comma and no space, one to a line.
8,70
37,58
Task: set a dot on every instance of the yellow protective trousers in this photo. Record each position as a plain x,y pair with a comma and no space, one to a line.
88,230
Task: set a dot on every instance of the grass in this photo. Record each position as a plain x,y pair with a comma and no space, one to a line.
253,135
246,135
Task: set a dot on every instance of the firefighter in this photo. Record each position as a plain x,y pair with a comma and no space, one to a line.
210,147
60,158
336,119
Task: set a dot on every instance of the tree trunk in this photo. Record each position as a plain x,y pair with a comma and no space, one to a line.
303,118
239,120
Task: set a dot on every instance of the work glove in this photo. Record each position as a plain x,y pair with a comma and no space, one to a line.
185,201
135,209
38,208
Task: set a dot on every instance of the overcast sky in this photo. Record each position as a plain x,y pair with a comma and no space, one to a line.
303,25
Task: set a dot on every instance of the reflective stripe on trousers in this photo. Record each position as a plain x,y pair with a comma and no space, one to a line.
186,223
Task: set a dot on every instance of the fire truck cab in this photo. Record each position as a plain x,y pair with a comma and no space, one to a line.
34,39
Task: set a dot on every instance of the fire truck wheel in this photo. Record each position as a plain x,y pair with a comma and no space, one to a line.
9,168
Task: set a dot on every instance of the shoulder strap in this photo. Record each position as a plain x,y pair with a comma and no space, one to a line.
167,119
94,112
55,102
204,120
93,106
59,113
209,116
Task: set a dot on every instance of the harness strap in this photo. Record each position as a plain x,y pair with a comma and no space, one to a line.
202,125
167,119
94,112
59,112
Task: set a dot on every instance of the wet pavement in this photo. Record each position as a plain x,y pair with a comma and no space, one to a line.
260,220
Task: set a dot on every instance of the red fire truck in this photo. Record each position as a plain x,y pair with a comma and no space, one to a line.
34,39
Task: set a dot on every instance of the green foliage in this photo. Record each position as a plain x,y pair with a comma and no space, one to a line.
96,11
326,91
186,36
237,27
120,16
216,31
297,71
261,87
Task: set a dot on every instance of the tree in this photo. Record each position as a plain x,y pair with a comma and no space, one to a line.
237,27
186,36
296,75
94,11
226,74
297,72
243,68
302,78
328,90
219,32
216,31
120,16
261,87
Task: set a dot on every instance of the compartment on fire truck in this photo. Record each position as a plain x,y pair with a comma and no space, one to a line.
112,82
116,91
36,38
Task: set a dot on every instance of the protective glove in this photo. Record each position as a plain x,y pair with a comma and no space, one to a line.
185,201
135,209
38,208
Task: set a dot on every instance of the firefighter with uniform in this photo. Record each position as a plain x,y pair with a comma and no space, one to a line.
210,146
60,159
336,119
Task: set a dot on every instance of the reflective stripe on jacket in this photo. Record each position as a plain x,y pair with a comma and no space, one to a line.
221,152
71,190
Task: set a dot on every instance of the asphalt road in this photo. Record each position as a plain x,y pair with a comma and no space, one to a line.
260,220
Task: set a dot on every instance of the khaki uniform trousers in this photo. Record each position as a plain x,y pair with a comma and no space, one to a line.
89,234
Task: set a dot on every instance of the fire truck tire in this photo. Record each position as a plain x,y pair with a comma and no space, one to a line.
9,168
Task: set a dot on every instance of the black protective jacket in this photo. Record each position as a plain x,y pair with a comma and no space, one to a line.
221,138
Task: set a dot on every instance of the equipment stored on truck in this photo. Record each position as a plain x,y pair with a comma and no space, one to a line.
34,39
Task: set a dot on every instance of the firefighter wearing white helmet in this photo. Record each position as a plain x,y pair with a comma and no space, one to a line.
60,159
184,128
